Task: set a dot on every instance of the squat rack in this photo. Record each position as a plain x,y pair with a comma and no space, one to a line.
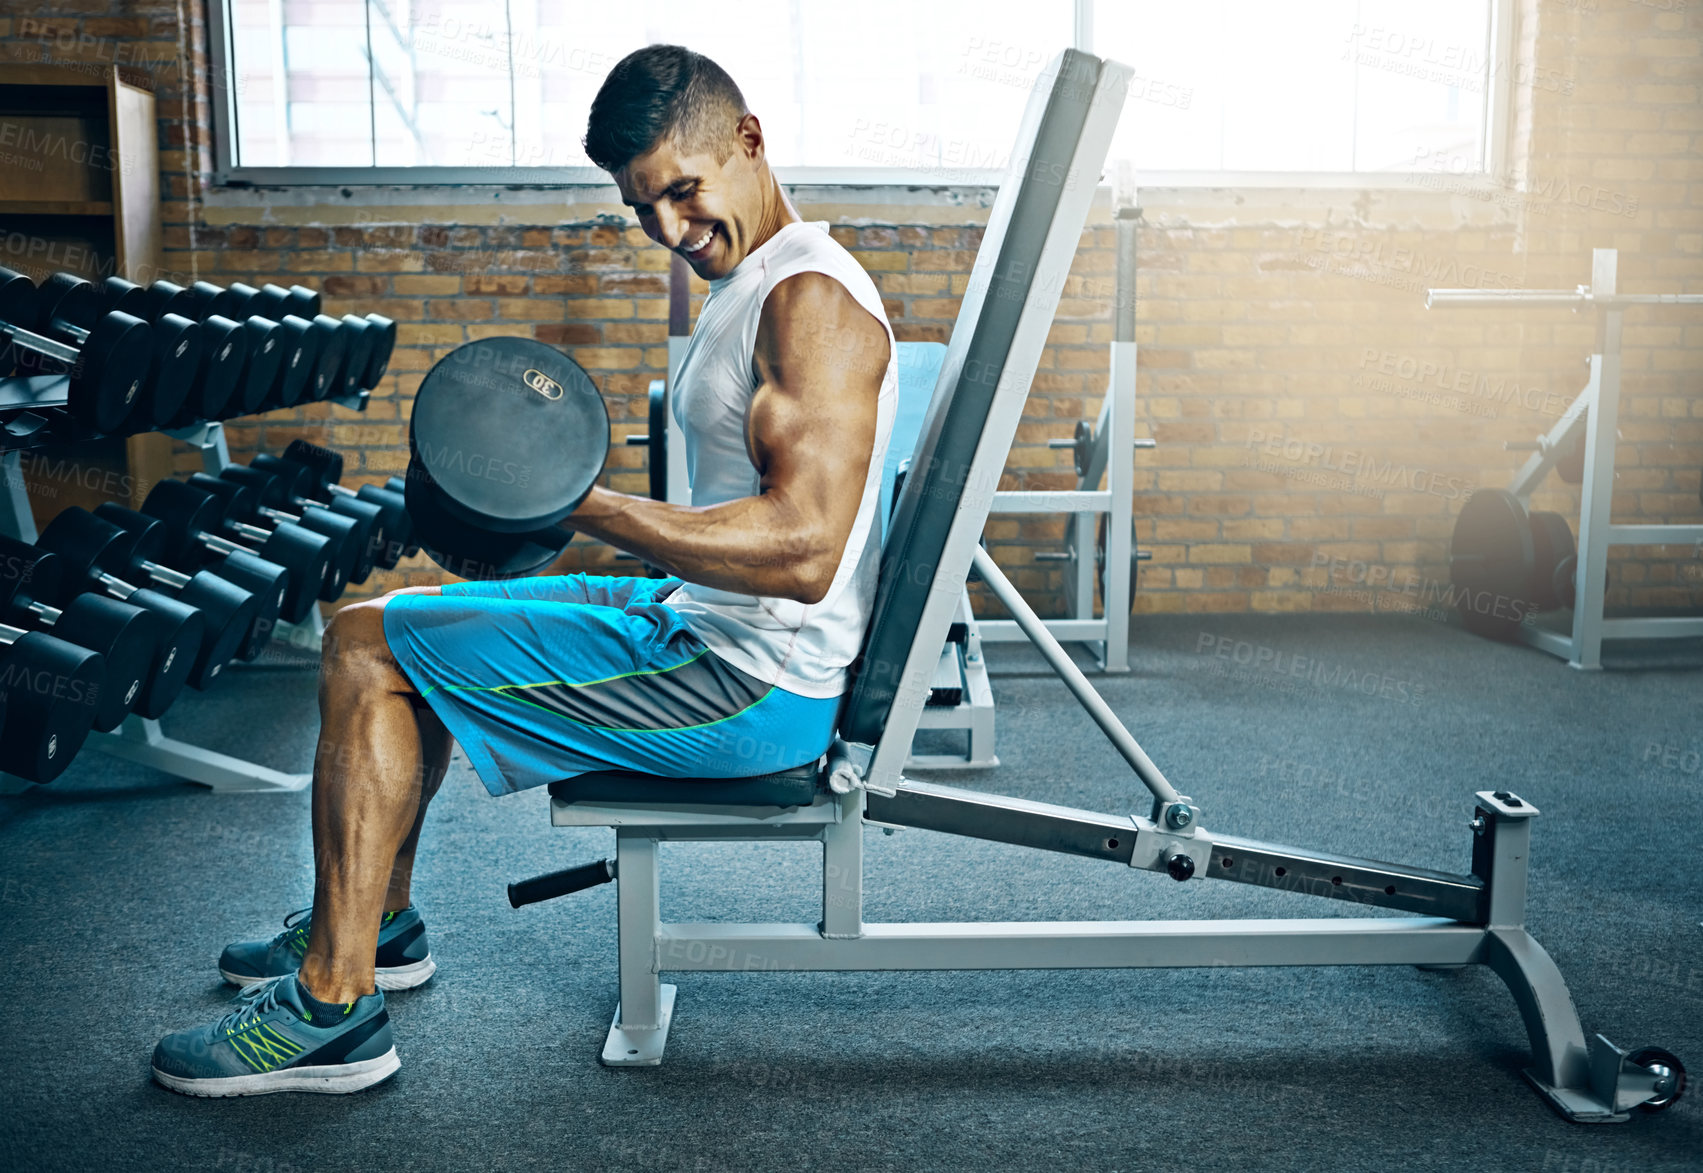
1596,413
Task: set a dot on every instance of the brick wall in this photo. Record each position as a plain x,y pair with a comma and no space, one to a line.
1308,407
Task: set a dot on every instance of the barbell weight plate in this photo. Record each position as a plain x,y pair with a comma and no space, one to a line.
1100,560
51,689
1552,542
1082,447
657,442
110,372
507,435
1491,560
171,373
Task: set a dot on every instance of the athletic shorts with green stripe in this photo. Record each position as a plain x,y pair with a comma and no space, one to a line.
545,678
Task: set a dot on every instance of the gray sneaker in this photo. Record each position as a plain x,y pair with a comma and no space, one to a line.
403,960
272,1043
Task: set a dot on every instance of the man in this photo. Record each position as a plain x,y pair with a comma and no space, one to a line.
732,666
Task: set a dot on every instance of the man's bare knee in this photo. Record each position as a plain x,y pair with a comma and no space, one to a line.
356,653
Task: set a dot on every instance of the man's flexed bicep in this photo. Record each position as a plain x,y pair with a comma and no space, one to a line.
819,361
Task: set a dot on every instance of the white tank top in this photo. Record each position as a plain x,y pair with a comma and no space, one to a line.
802,648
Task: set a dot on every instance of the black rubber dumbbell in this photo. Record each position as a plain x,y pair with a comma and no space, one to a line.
368,537
94,553
243,505
324,468
106,369
269,343
307,555
49,689
224,344
30,578
68,308
268,582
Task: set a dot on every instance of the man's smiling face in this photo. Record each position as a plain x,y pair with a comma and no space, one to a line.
695,205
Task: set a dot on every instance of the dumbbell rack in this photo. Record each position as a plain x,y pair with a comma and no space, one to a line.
140,739
1596,413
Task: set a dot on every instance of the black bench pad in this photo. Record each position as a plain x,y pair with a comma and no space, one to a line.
794,787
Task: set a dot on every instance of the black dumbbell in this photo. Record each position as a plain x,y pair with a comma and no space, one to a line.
268,582
94,552
122,634
177,348
322,469
276,302
224,351
369,537
269,343
228,609
243,504
307,555
400,487
106,372
50,689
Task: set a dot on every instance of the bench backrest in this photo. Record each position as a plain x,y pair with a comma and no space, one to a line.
916,561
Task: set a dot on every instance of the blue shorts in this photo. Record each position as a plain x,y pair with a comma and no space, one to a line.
545,678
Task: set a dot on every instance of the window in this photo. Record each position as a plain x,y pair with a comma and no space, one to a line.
881,91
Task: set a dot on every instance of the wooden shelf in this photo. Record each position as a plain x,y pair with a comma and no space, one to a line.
56,207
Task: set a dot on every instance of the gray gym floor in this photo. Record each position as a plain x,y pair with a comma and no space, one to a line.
118,886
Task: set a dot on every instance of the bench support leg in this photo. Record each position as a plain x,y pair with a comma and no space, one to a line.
640,1030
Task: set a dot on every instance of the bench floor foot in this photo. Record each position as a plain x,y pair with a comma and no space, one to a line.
639,1047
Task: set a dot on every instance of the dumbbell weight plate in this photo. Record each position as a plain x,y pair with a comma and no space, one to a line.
163,297
171,374
123,296
325,463
657,441
51,690
267,344
362,335
473,553
128,642
296,370
506,435
333,349
384,345
398,486
225,351
268,582
112,366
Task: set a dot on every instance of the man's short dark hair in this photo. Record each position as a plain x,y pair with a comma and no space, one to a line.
663,92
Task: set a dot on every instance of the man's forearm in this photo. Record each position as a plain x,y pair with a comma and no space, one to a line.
754,545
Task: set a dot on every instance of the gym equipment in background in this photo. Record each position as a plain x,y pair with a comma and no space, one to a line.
1481,561
105,371
125,637
1474,917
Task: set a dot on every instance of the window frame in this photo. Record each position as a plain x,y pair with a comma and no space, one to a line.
1498,105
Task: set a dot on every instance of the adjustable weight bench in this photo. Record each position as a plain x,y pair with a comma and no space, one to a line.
931,546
